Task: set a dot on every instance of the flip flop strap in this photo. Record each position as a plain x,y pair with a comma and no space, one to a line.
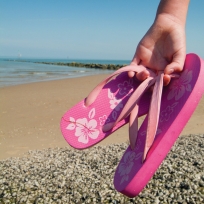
131,103
95,92
153,115
131,108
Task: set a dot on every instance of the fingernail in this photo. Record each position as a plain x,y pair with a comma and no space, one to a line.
171,71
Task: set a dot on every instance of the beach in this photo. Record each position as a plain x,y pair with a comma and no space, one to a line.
31,143
64,142
31,113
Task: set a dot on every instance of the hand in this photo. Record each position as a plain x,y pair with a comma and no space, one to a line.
163,48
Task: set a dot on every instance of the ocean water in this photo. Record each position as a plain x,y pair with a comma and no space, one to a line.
15,71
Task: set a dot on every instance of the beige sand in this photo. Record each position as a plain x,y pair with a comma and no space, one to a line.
30,115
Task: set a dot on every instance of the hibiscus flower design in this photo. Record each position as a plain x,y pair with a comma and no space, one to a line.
103,119
115,104
124,88
86,129
165,114
125,167
181,85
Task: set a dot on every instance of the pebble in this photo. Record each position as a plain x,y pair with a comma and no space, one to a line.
65,175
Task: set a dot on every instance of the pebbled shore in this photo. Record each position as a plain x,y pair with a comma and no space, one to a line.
64,175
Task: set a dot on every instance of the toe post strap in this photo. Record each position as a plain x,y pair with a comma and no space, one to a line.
153,115
95,92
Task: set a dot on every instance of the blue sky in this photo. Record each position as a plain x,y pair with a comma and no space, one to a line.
107,29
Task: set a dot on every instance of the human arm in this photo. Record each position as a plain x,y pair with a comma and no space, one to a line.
163,47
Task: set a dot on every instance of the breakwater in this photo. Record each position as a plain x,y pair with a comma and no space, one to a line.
103,66
86,65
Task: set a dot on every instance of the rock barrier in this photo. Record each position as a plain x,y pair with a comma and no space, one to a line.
86,65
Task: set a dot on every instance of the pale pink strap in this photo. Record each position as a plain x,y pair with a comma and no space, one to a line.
133,126
133,100
153,115
94,93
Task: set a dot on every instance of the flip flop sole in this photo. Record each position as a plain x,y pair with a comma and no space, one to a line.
179,100
81,126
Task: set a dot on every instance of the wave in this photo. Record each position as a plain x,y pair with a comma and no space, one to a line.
21,72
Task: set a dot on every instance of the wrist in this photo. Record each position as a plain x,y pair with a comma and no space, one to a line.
168,20
174,10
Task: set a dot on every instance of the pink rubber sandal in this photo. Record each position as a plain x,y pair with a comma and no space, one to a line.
149,147
83,125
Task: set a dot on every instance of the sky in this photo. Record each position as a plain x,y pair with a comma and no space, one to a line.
91,29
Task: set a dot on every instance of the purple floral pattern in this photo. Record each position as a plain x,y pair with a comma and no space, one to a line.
103,119
124,88
179,87
126,165
165,114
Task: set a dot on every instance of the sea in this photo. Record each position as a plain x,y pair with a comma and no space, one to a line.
14,71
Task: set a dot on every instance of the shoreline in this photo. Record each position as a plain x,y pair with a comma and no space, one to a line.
15,72
31,113
57,78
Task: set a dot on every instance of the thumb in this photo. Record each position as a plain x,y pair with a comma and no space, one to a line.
135,61
177,63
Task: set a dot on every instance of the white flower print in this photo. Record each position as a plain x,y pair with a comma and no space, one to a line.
103,119
72,125
86,129
115,104
181,85
124,88
125,167
165,114
110,94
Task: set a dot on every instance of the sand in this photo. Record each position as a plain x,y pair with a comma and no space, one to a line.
30,115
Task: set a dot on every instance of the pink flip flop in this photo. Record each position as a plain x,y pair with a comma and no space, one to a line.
178,102
82,125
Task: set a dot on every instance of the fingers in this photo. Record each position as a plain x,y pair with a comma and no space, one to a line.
131,74
135,61
142,75
166,79
175,66
177,63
